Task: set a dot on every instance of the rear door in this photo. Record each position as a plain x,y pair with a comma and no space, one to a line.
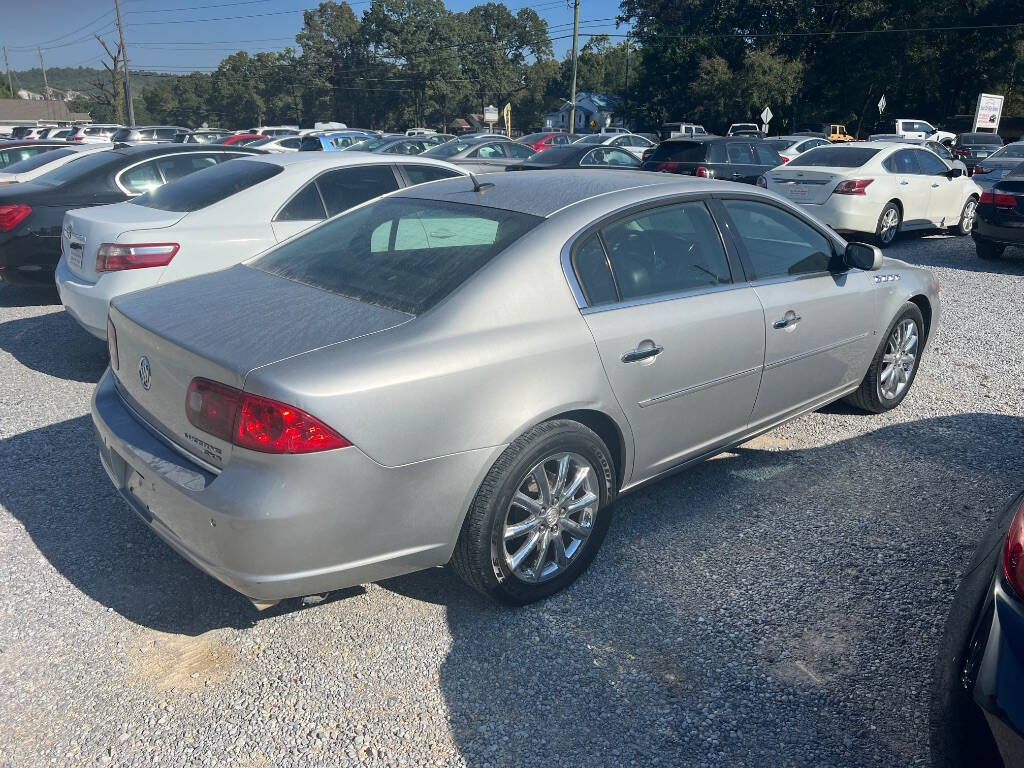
680,333
912,186
944,197
817,322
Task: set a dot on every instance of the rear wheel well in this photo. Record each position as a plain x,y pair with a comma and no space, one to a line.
605,428
926,311
896,201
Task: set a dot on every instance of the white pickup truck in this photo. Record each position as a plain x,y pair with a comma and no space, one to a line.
907,128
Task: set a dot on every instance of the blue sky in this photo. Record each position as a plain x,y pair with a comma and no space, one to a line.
179,35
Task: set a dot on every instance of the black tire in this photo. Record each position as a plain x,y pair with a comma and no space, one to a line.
987,250
885,237
966,223
479,553
868,396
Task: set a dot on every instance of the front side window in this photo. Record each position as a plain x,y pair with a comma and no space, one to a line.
348,187
518,151
777,243
740,153
930,164
667,250
403,253
488,151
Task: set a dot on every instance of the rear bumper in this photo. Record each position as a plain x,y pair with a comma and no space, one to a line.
86,302
273,527
846,213
993,233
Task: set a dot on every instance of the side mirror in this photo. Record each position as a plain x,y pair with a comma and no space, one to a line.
955,173
862,256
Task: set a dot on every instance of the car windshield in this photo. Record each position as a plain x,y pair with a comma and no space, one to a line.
208,186
836,157
780,144
1010,151
38,161
370,145
403,253
58,177
448,149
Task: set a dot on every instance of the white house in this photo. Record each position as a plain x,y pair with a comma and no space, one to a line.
594,111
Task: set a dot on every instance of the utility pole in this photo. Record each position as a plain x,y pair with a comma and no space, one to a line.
575,45
124,62
7,65
627,79
46,86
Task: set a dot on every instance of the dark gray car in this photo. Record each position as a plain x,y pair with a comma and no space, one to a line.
991,170
481,155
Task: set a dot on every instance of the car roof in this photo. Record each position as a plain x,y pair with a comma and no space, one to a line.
133,150
544,195
335,159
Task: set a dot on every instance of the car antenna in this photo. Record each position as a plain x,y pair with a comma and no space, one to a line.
477,186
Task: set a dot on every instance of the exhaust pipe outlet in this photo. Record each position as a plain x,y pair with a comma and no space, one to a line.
262,605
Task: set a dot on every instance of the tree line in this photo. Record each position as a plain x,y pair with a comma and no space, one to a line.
415,62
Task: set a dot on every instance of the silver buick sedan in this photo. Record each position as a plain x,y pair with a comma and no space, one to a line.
472,372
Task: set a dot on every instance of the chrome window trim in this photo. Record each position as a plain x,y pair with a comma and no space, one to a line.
119,174
577,238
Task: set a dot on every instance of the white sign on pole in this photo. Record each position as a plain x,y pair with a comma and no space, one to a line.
990,110
490,114
881,104
766,116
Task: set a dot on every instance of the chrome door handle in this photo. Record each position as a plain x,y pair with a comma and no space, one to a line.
790,318
636,355
904,183
934,186
75,246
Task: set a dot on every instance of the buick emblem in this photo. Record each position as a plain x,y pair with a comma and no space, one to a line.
145,373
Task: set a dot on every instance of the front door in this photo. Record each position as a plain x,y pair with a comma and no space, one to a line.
681,341
944,198
818,318
912,187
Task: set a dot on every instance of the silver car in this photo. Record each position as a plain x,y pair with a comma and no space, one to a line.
471,371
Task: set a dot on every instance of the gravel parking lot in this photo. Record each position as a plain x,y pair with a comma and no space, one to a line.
776,606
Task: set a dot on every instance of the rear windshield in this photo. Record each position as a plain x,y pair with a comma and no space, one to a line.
679,152
208,186
122,134
402,253
553,156
448,149
1009,152
780,144
836,157
979,138
594,138
39,160
531,137
58,177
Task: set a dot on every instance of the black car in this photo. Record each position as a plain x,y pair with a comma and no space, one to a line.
972,148
12,152
994,168
578,156
977,707
31,214
733,158
999,219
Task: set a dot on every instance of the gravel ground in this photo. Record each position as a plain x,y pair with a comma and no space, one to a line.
776,606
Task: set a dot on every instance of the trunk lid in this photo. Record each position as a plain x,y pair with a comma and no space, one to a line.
221,326
803,185
85,229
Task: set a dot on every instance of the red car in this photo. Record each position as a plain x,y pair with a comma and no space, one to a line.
545,140
243,138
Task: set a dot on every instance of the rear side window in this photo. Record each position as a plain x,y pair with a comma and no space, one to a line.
9,157
836,157
311,144
348,187
142,178
305,206
208,186
401,253
178,166
766,155
679,152
777,243
740,153
292,143
37,160
420,174
488,151
593,273
518,151
904,161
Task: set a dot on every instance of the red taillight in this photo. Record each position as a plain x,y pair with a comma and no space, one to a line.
77,138
852,187
702,172
113,257
961,152
1013,552
115,363
785,159
12,215
257,423
980,169
1002,199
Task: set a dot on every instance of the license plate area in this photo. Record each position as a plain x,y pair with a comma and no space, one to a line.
74,248
137,488
798,192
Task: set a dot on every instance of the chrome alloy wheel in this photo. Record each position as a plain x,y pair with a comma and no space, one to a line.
970,211
899,359
550,517
890,223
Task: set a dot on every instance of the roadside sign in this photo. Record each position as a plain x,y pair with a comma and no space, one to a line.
881,104
490,114
766,116
989,111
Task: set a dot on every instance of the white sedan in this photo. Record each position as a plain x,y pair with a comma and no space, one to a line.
878,188
37,165
215,218
635,145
